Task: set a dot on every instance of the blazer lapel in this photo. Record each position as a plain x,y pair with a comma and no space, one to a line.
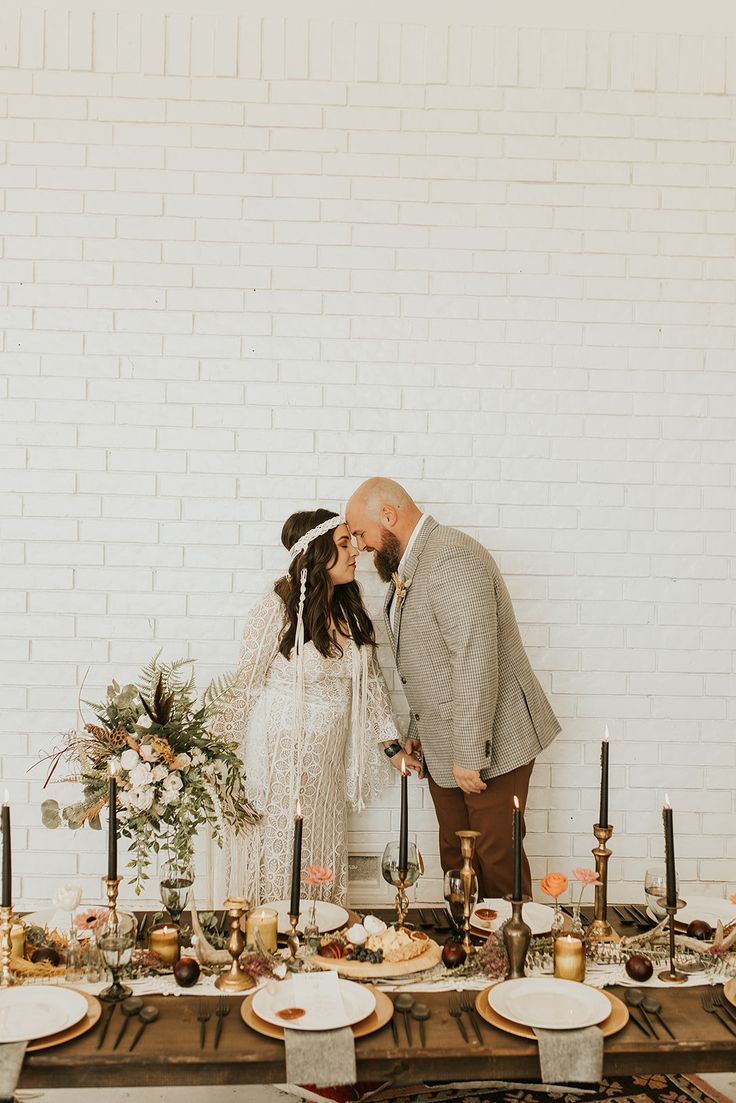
411,565
387,619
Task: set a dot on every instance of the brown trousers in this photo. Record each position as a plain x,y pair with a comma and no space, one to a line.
490,813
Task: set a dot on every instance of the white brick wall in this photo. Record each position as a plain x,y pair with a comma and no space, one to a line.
248,262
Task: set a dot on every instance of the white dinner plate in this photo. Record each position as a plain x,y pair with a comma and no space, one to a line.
709,908
549,1003
358,1002
329,916
538,916
38,1010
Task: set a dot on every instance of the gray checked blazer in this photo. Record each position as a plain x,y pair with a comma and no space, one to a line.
473,696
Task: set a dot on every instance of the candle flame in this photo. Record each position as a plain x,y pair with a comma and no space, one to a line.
113,769
403,766
667,801
516,802
605,737
6,797
298,809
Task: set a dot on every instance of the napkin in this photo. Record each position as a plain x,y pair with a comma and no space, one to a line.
571,1056
11,1062
324,1058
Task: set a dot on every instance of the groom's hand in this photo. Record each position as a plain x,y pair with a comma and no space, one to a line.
414,747
469,780
412,765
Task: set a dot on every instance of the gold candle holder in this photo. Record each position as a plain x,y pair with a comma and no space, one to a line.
516,938
401,903
235,979
292,939
7,976
112,887
467,876
672,975
600,929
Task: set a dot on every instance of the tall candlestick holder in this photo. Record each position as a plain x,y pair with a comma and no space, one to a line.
235,979
600,929
468,879
112,887
516,938
292,939
672,975
7,976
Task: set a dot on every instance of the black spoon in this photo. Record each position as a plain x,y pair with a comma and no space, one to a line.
129,1008
148,1014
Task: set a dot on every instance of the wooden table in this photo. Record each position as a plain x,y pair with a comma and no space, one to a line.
169,1054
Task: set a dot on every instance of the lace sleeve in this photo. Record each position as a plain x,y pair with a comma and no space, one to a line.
372,724
257,651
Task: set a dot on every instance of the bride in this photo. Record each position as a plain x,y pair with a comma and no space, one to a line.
311,714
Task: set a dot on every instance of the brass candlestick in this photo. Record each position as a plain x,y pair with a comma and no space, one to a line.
600,929
7,976
292,939
672,975
112,887
235,979
516,938
467,876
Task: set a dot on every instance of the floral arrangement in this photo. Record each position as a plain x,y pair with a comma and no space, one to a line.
174,772
318,876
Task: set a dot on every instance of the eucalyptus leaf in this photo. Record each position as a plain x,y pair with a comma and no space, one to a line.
51,814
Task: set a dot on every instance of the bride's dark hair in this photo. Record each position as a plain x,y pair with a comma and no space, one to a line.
344,607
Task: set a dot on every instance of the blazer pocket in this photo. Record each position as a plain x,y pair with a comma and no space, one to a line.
528,697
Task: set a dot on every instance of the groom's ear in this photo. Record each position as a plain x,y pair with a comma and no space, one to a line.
389,516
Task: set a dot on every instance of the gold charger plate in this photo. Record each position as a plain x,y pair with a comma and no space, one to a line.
729,990
616,1021
378,1018
94,1010
364,970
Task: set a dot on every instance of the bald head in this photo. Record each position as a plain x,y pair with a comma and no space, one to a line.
382,516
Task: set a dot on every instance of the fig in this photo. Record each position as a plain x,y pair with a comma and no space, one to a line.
639,967
700,929
46,953
186,972
453,954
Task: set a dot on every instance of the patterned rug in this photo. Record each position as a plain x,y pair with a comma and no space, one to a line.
654,1088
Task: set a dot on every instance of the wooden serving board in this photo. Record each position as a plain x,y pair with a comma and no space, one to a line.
381,1015
616,1021
364,970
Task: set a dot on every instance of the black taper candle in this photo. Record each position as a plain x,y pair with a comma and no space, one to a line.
603,811
296,862
112,829
404,820
669,856
517,834
7,888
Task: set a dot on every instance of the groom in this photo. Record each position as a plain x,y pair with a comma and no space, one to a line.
478,715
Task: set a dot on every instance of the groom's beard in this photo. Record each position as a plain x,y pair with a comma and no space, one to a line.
387,557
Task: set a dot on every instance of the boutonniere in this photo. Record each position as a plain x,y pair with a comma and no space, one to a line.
402,585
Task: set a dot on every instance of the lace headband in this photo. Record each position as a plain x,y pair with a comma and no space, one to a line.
319,530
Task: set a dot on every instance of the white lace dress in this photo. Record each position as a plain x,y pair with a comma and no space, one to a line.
339,760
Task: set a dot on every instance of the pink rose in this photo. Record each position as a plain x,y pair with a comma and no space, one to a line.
586,876
318,875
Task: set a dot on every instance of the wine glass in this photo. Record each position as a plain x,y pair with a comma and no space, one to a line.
177,878
655,887
390,864
455,896
116,941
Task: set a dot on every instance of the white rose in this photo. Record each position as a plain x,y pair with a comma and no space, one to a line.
67,897
173,783
142,799
197,757
147,753
170,795
158,773
129,759
144,721
141,775
181,762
